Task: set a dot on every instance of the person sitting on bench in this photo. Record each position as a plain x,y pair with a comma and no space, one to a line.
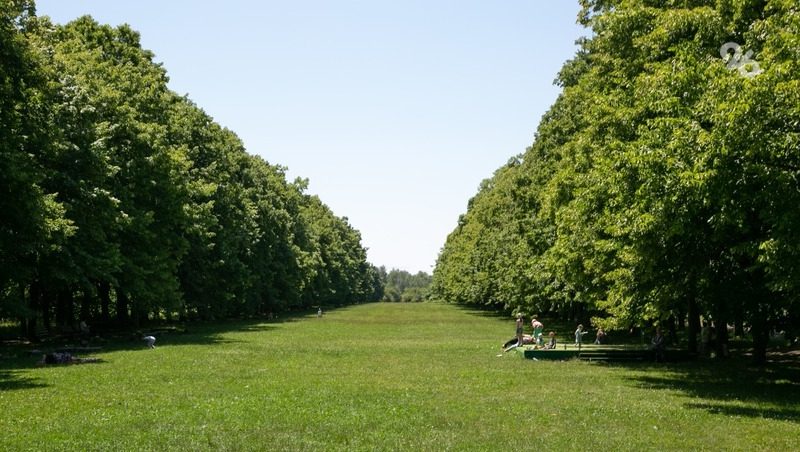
551,344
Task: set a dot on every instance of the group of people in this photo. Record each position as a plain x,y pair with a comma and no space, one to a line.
536,338
600,337
657,343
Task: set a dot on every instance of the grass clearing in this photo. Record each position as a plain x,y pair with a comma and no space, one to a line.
386,377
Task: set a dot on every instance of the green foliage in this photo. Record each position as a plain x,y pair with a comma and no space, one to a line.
661,184
126,201
31,217
401,285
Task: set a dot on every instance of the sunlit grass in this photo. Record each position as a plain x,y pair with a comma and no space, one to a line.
385,377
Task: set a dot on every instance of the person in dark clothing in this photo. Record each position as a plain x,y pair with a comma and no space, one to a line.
658,345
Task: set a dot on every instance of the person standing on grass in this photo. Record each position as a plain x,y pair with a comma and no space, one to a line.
520,325
658,344
538,327
705,338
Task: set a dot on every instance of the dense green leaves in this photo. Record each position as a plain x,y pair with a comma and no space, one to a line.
122,200
401,285
663,182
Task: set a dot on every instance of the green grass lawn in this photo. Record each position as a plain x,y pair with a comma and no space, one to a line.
385,377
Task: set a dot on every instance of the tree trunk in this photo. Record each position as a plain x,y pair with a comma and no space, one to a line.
86,304
694,322
721,323
44,304
27,323
738,323
136,315
69,307
65,312
760,332
104,293
679,318
122,307
671,328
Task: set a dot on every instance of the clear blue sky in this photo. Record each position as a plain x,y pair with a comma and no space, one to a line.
395,110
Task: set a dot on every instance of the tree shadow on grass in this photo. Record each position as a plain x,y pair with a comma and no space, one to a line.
12,380
485,311
13,375
785,414
16,355
731,387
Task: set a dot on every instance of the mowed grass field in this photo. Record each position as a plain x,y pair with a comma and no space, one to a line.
386,377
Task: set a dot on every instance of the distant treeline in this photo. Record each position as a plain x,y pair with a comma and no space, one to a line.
663,186
400,285
122,201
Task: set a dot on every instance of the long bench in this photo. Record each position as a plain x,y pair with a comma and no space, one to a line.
601,353
615,355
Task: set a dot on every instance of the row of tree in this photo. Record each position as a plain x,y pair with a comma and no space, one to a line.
400,285
122,201
663,184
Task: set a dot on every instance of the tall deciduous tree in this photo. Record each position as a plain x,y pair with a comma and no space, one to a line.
662,181
32,221
123,199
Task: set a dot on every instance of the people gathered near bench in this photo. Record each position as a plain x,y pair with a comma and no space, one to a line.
528,339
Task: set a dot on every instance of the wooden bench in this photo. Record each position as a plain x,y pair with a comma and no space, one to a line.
604,353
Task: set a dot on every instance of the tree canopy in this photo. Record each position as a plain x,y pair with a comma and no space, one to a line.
662,185
400,285
123,202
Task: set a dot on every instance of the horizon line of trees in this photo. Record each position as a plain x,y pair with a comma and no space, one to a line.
403,286
662,186
121,201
